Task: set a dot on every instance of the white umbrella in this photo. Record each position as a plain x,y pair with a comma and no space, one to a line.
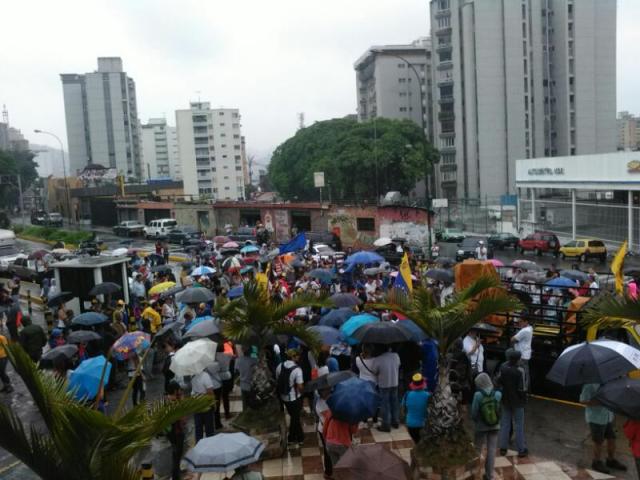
382,241
119,252
224,452
194,357
60,251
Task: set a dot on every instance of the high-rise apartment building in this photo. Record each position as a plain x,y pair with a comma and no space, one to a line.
102,119
210,151
394,81
517,79
160,150
628,130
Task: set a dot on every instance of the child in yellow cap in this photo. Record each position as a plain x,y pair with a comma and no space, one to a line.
416,403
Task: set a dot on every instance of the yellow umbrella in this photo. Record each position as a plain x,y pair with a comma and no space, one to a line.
161,287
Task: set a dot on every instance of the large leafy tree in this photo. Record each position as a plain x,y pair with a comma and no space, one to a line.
16,163
359,159
446,325
77,442
256,320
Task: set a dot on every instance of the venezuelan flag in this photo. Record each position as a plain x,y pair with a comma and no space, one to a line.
617,266
403,280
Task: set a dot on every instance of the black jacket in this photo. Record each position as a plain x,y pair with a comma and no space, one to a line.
511,379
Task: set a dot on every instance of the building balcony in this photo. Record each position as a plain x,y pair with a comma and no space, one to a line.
449,167
444,47
445,99
444,82
446,65
443,31
445,12
445,116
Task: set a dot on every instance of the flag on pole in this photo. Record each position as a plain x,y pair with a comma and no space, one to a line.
296,243
617,266
403,279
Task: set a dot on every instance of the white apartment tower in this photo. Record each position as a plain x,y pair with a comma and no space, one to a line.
210,151
102,119
160,150
517,79
628,129
394,81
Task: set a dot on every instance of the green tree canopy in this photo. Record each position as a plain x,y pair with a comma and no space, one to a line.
359,159
12,163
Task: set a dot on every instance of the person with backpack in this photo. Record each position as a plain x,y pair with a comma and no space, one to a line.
512,380
415,403
289,385
485,412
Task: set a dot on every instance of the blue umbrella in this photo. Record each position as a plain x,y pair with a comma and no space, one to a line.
236,292
354,400
328,335
202,270
322,274
561,282
89,318
85,380
335,318
364,257
198,320
417,334
353,324
249,249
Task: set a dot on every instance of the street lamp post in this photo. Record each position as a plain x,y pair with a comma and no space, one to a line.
64,170
427,179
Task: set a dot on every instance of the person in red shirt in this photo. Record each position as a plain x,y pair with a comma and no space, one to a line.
337,435
632,432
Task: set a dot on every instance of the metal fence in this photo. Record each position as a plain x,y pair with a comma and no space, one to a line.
488,215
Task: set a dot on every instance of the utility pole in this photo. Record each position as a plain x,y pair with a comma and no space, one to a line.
64,171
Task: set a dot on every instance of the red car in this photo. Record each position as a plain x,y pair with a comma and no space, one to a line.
540,242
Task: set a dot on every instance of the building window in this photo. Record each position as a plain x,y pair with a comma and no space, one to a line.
401,65
402,80
447,142
236,125
220,114
448,159
443,4
226,178
235,115
235,135
238,168
227,188
237,157
403,109
222,124
445,56
236,147
224,145
444,22
366,224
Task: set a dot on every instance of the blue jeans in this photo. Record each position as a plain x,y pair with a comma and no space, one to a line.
509,415
390,408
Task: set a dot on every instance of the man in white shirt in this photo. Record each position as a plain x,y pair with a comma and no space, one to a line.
473,349
370,289
481,251
201,384
522,343
290,388
387,367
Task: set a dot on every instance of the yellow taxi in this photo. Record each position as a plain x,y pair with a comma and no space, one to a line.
585,249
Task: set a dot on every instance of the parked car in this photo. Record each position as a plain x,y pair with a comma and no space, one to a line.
243,234
450,235
392,253
540,242
54,219
467,248
585,249
161,227
129,228
320,251
328,238
38,217
185,236
502,240
27,270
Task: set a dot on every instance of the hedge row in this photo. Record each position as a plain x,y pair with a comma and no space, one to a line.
52,234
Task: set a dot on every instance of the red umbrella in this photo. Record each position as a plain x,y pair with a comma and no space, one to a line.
371,460
221,240
230,244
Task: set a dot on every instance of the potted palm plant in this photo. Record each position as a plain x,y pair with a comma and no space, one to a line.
446,446
78,442
255,319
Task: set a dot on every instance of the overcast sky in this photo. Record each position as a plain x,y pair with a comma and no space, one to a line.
271,59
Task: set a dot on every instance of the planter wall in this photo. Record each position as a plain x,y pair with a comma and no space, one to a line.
472,470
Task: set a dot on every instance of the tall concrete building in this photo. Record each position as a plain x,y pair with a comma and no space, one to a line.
628,130
394,81
517,79
160,150
102,118
210,151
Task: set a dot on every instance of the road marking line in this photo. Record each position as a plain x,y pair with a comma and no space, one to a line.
10,466
557,400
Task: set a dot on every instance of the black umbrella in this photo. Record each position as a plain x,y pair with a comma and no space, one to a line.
344,300
195,295
161,268
621,396
59,299
170,328
440,275
594,362
445,261
203,329
83,336
172,291
381,332
105,288
64,351
329,380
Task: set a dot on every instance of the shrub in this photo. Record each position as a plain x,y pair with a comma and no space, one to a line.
51,234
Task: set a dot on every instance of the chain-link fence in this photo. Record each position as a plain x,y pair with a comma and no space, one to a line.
489,215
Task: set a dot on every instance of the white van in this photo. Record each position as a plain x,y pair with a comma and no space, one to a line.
7,239
159,227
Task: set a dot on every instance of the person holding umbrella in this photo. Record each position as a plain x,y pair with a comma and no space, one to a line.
601,424
337,436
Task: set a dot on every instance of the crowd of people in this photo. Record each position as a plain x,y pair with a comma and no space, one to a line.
405,375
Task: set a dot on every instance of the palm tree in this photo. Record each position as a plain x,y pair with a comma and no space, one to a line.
255,319
77,442
608,311
446,325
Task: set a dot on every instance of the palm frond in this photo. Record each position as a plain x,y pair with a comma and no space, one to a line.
299,301
612,312
298,329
